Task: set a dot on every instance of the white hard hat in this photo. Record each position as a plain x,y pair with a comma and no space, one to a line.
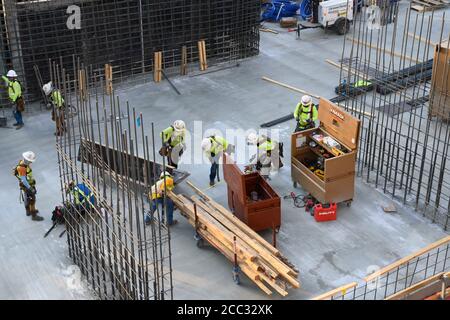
179,125
252,138
11,74
29,156
206,144
165,174
47,88
306,100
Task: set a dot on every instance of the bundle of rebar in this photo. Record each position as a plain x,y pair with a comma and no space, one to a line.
260,261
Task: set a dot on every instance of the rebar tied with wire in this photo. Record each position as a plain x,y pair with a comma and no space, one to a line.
119,256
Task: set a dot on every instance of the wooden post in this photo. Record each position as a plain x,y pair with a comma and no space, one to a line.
157,67
82,87
183,61
108,79
202,55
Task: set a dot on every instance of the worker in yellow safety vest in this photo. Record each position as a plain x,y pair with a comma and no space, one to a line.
57,101
15,96
173,139
214,147
268,156
305,114
27,184
158,197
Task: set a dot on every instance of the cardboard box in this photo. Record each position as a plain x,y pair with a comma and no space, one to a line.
336,181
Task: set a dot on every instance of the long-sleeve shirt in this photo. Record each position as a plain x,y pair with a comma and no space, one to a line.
14,89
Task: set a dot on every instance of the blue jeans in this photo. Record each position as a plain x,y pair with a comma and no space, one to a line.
18,116
160,201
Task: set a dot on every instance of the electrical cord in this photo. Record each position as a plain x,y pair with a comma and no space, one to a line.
299,200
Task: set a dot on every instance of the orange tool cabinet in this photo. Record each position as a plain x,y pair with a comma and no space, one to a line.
261,214
323,159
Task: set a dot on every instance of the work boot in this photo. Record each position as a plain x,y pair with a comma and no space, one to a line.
15,124
36,217
19,126
212,183
28,213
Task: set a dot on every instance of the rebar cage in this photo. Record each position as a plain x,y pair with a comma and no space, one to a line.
124,33
119,255
405,106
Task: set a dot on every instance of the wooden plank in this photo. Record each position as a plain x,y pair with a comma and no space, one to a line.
290,87
388,52
222,238
235,220
309,93
277,264
404,260
157,66
341,290
422,39
417,286
184,61
108,79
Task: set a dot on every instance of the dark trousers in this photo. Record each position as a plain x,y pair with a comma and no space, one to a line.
18,116
160,201
213,173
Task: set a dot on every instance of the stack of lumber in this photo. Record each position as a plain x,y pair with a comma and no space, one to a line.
256,258
428,5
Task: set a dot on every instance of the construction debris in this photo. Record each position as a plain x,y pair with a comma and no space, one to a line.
256,258
390,208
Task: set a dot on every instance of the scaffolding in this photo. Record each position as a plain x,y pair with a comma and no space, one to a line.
123,33
106,149
404,145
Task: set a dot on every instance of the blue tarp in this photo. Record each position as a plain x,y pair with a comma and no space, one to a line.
278,9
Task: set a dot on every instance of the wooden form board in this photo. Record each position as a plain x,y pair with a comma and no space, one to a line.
108,79
82,84
202,55
257,259
440,84
183,66
157,67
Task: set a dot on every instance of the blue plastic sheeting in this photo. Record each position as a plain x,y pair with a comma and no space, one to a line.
278,9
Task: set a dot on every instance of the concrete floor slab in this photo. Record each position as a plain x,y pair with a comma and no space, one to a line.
327,254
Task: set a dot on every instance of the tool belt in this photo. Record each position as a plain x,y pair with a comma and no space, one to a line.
20,104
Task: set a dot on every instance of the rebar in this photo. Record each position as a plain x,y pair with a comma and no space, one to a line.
119,256
404,145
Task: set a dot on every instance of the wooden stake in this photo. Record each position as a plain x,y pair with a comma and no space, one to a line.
183,61
157,67
202,55
108,79
82,87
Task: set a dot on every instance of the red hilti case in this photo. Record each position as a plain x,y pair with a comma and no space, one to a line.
324,213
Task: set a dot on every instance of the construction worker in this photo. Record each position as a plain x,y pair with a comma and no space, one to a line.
214,147
57,100
15,96
305,114
269,154
157,193
83,197
27,184
173,142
